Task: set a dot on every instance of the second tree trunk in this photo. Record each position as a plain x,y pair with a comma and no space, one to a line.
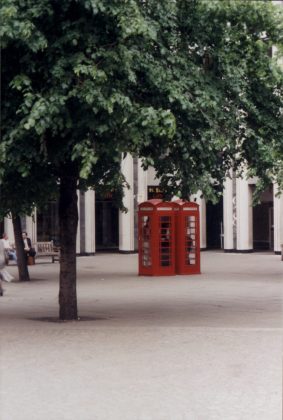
68,217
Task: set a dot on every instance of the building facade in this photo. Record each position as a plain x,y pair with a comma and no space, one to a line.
233,224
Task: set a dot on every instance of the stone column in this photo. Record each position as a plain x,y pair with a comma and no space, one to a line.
202,218
90,222
126,220
8,229
78,240
142,184
31,227
244,214
278,220
228,219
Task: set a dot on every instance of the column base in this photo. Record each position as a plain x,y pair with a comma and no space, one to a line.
244,251
239,251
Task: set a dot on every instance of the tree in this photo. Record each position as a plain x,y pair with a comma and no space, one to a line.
18,197
183,84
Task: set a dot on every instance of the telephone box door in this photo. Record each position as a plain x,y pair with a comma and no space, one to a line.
157,238
147,225
166,243
188,239
145,244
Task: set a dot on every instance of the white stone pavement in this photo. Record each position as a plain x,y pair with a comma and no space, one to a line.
147,348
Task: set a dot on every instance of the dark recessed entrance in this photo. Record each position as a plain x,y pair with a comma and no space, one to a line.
106,224
263,235
47,221
1,227
214,225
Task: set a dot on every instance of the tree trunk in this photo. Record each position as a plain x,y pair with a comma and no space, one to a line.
68,219
21,256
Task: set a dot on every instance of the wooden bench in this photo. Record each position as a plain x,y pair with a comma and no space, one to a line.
47,249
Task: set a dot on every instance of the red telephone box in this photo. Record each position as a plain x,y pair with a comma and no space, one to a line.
157,238
187,238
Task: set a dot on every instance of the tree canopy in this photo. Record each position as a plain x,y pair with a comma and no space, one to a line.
188,85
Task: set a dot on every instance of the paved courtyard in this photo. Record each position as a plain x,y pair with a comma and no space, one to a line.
200,347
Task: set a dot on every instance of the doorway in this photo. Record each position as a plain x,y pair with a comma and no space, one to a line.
263,229
47,222
214,225
106,224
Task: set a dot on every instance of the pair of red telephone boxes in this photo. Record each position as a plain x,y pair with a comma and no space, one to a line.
169,238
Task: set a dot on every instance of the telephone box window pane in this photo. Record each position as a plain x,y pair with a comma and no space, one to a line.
190,240
146,243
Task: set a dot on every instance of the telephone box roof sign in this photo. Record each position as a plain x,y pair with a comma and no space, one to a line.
157,204
187,205
150,203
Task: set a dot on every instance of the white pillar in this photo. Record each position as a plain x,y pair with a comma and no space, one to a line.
228,215
244,213
202,218
278,220
78,239
126,220
90,221
142,184
34,218
31,227
8,229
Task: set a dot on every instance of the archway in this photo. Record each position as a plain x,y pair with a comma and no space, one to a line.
214,225
263,234
106,223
